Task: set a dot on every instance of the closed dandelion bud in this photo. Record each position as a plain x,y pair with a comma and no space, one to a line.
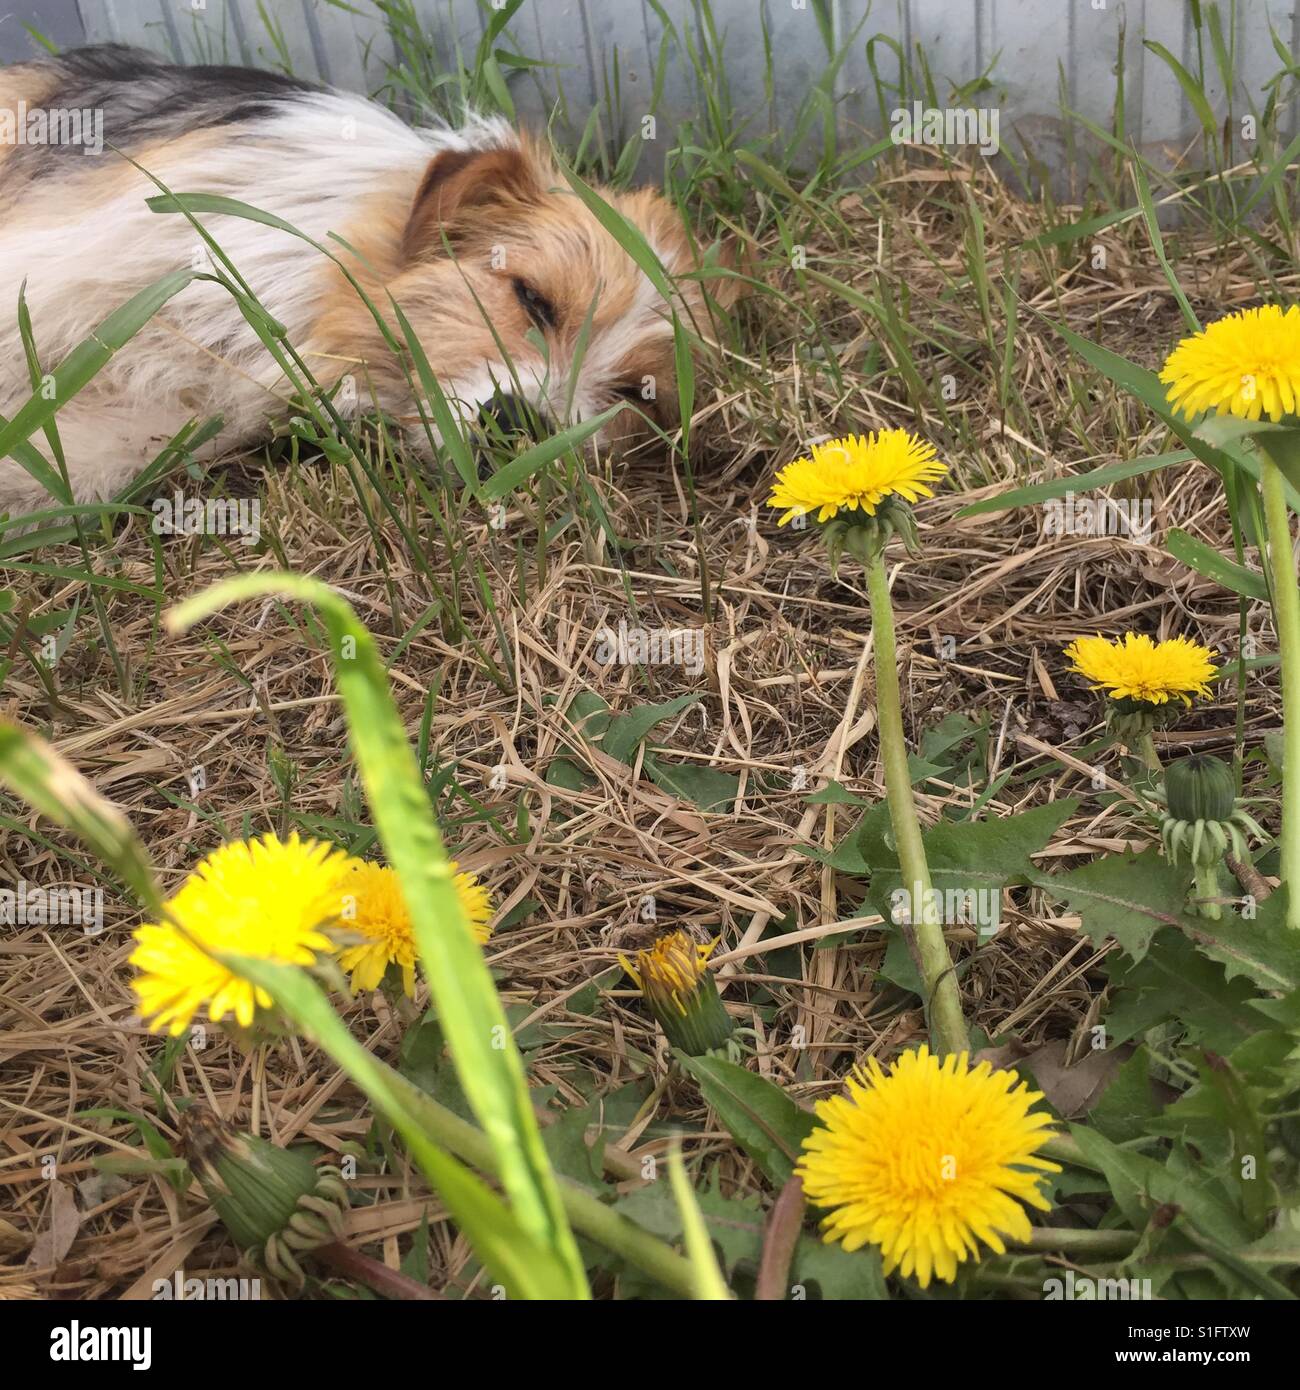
674,982
1203,821
276,1203
1200,788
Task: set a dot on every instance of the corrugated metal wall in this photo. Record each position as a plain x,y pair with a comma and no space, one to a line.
1038,52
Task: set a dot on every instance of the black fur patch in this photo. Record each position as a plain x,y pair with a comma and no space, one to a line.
144,99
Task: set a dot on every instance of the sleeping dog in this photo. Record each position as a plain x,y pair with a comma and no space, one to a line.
496,263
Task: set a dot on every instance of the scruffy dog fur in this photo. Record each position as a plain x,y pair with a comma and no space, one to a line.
472,231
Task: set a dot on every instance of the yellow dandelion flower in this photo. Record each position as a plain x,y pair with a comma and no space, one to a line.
1247,364
672,978
264,898
927,1161
376,911
1137,668
856,473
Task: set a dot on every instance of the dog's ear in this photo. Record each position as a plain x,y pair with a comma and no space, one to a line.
461,189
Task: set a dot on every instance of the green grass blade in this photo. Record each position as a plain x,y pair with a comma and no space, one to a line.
628,236
1279,167
487,1061
30,458
1076,231
1137,381
1208,562
1191,88
30,767
519,470
96,581
709,1283
1158,246
451,434
1077,482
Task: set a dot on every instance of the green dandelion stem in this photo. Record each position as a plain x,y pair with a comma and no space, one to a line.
1206,891
947,1026
1077,1241
1146,748
1286,618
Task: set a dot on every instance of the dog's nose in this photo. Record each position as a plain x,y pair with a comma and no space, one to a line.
502,421
508,414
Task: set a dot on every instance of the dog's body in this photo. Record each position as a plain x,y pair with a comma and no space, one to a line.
473,232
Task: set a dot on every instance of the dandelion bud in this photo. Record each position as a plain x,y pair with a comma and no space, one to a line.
673,979
1200,788
1203,820
276,1203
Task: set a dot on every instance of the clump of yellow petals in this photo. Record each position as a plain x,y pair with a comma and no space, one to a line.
926,1161
669,972
672,976
377,913
856,473
1247,364
1140,669
265,898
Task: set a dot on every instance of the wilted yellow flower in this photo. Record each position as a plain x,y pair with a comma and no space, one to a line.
673,979
260,898
856,473
1137,668
1247,364
927,1161
376,911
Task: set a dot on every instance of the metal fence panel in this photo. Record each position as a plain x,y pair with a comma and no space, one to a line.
1039,54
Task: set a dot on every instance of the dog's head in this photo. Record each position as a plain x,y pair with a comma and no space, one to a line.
515,290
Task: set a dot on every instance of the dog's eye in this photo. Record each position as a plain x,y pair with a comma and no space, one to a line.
536,305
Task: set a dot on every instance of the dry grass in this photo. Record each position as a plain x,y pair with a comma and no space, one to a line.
787,686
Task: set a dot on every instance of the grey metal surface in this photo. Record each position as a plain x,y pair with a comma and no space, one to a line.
59,20
1036,51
